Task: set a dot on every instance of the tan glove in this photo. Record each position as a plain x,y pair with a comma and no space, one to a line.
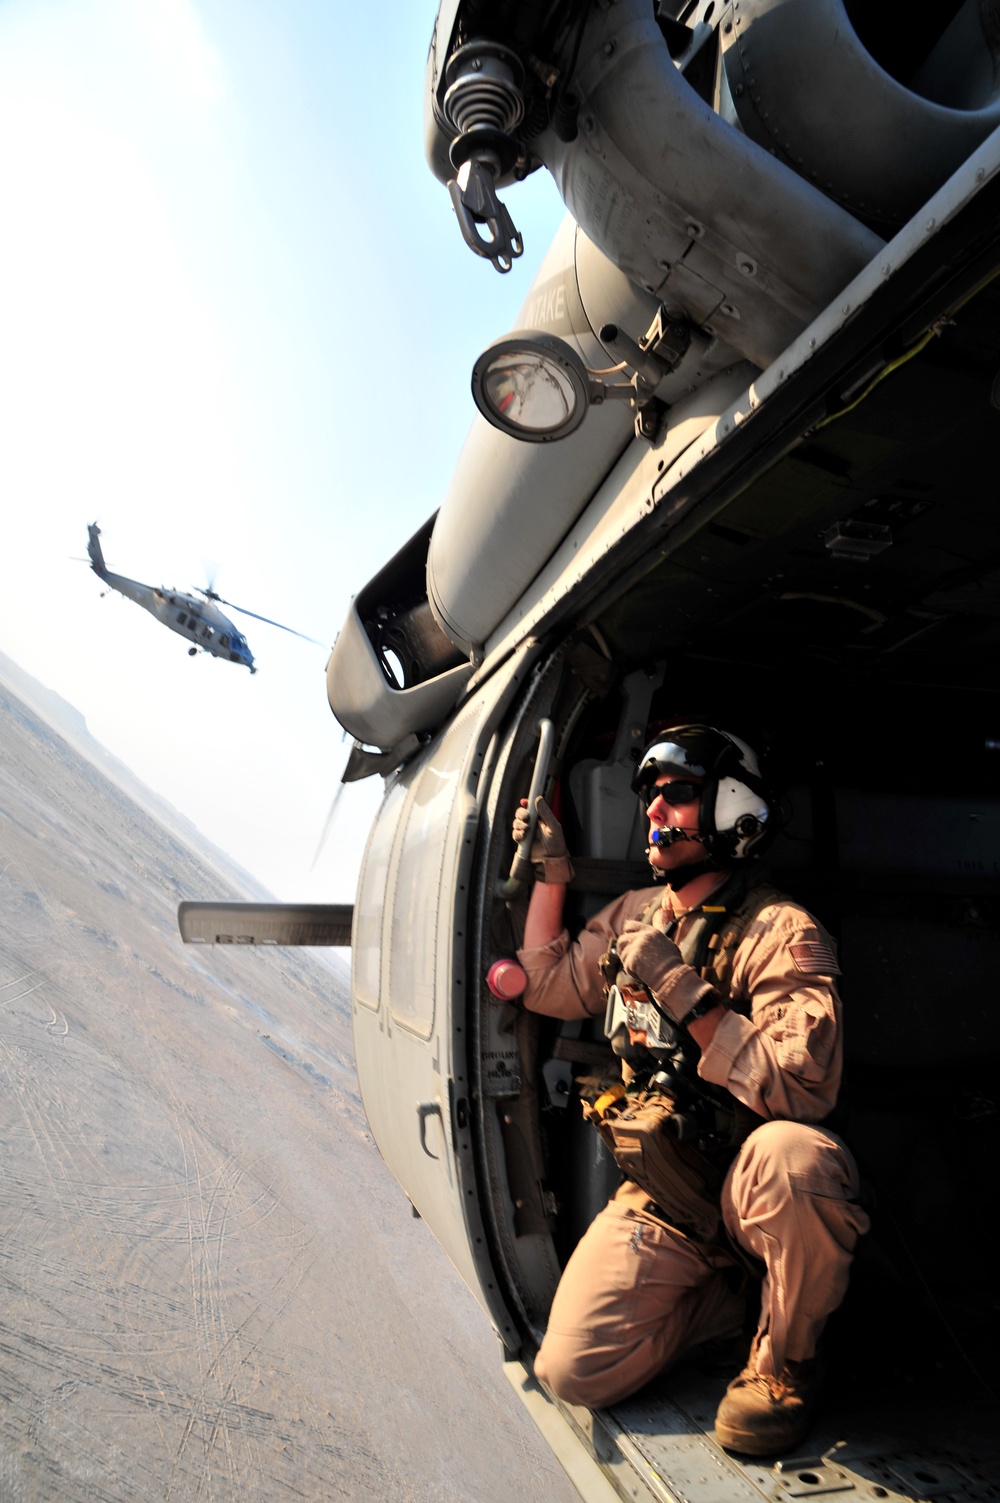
549,854
649,956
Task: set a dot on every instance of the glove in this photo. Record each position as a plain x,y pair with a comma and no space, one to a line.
652,958
549,855
648,955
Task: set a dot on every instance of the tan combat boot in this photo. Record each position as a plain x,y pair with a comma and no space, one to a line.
762,1415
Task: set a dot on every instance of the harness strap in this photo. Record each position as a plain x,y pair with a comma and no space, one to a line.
647,1127
711,943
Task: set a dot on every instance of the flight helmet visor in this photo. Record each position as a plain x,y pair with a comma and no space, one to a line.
675,757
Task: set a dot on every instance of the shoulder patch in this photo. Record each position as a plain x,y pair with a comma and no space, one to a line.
814,957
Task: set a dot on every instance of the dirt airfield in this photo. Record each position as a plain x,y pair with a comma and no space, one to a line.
210,1286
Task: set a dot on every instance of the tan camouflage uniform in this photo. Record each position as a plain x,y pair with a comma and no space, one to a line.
636,1292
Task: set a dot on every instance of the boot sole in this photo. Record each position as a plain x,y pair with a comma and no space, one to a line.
750,1444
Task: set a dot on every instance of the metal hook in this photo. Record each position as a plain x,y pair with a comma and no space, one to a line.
475,203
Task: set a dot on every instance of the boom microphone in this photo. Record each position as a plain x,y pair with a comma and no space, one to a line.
670,835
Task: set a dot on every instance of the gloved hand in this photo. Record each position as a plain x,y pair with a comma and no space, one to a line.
549,854
649,956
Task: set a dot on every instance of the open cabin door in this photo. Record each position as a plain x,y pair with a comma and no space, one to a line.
411,991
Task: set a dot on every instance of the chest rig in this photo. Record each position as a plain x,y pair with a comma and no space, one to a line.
672,1133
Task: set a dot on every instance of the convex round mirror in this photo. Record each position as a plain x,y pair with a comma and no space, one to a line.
532,386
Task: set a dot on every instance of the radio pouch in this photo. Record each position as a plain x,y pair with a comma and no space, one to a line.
681,1179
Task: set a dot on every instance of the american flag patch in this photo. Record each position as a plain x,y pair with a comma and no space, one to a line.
815,957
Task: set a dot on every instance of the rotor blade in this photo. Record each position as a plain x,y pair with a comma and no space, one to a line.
244,612
328,823
332,813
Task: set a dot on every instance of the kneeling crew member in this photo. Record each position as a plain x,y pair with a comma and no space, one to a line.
729,987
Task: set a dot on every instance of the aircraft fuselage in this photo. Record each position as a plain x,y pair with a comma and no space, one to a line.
199,621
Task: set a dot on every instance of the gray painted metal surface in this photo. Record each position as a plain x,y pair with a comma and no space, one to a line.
689,208
660,1447
368,706
877,146
266,923
638,490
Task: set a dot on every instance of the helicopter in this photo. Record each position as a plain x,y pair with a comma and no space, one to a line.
199,621
737,455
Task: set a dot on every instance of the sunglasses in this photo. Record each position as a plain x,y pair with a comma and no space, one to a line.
675,794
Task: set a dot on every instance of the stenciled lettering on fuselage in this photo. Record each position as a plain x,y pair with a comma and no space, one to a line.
547,309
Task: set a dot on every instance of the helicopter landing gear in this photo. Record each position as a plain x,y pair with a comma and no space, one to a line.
192,652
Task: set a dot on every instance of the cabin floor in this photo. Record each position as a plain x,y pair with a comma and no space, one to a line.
885,1431
911,1398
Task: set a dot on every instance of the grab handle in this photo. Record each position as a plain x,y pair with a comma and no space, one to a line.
510,888
427,1109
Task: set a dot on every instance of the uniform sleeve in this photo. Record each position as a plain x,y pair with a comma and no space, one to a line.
784,1059
564,979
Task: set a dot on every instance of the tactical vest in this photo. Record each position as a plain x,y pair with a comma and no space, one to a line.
671,1133
714,936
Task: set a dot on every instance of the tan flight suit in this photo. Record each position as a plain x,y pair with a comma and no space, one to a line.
636,1292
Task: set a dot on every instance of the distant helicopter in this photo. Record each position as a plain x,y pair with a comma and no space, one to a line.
200,621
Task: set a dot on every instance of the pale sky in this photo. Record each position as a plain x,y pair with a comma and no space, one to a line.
238,324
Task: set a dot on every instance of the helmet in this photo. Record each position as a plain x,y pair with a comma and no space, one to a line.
736,817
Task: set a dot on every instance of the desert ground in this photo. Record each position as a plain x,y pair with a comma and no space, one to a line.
210,1286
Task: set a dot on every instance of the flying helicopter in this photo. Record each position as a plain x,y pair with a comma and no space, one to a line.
737,453
199,621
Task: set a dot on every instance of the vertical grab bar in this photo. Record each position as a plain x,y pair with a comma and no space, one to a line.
520,869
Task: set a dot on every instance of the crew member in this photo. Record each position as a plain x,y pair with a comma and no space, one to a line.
742,979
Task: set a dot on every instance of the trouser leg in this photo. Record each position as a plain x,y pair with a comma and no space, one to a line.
791,1198
633,1297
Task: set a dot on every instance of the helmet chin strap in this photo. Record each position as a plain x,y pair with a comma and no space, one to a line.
682,875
